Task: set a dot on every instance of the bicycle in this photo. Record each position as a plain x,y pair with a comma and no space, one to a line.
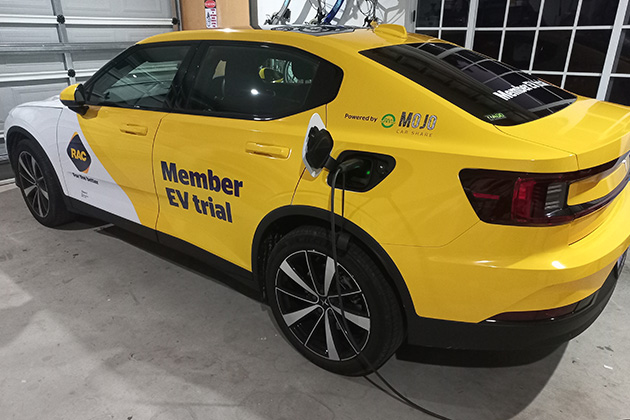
282,16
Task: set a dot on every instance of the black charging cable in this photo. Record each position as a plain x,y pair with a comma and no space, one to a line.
342,168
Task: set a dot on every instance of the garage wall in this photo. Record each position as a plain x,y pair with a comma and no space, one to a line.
231,13
40,40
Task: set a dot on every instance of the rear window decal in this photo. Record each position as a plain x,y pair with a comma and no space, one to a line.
485,88
520,89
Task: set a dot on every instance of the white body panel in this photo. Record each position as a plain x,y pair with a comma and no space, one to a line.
53,126
95,187
39,119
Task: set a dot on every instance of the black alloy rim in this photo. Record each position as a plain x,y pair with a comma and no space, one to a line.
306,292
33,184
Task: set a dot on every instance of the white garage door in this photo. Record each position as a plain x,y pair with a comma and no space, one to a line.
40,40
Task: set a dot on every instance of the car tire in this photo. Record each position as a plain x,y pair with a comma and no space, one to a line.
302,293
40,188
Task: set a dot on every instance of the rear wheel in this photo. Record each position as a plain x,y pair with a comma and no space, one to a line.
40,188
304,297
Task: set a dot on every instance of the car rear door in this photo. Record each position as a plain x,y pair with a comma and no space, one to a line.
106,153
232,153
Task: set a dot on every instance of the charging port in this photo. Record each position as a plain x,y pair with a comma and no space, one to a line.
369,170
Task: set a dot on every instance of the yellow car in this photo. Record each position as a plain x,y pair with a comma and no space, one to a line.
476,206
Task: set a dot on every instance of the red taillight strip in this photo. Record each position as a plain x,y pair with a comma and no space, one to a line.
486,196
522,198
589,207
534,199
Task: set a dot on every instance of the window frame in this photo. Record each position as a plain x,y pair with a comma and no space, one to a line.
189,79
172,94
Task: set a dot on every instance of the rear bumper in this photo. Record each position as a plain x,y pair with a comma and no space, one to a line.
493,269
487,335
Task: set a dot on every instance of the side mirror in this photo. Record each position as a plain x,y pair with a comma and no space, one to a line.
317,147
74,98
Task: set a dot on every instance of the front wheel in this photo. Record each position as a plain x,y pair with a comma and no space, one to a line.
305,300
40,188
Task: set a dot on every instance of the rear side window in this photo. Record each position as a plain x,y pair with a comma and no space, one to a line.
492,91
260,81
140,79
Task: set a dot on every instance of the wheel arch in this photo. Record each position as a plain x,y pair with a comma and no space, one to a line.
284,219
14,135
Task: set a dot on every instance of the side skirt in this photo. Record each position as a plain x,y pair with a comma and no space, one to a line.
222,270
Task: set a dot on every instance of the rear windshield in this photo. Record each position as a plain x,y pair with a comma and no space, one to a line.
492,91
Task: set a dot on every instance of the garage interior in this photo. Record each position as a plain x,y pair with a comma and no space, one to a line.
97,323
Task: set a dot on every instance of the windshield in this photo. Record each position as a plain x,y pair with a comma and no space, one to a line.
492,91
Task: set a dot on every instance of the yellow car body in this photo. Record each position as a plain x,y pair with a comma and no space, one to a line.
226,185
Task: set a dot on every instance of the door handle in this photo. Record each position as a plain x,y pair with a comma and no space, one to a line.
268,150
134,129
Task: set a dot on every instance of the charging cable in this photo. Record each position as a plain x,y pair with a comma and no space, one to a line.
342,168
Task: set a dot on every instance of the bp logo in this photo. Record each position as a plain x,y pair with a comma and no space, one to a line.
79,156
388,121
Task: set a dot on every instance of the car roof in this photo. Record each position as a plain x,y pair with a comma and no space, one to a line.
348,39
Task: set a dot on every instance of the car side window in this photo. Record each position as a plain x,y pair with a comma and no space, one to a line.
140,79
260,81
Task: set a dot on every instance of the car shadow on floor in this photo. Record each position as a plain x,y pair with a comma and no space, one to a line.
185,330
474,385
83,223
175,257
473,358
417,354
451,379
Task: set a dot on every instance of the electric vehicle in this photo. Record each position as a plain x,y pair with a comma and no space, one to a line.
478,207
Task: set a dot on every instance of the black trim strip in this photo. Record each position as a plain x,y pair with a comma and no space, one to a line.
237,273
85,209
9,142
242,279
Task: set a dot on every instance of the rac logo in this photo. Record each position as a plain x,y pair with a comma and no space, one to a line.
78,155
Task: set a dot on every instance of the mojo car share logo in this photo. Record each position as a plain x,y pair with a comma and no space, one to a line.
78,154
415,120
388,120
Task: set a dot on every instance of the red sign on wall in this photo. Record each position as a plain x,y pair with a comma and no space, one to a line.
212,19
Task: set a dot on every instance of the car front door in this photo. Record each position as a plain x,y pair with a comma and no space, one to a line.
233,151
106,153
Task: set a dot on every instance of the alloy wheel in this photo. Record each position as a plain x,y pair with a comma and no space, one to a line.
33,184
307,294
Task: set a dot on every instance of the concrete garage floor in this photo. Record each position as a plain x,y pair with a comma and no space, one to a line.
96,324
5,170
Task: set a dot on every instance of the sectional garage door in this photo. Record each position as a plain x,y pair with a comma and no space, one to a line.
40,40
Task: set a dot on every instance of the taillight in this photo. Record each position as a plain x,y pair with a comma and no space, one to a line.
531,199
